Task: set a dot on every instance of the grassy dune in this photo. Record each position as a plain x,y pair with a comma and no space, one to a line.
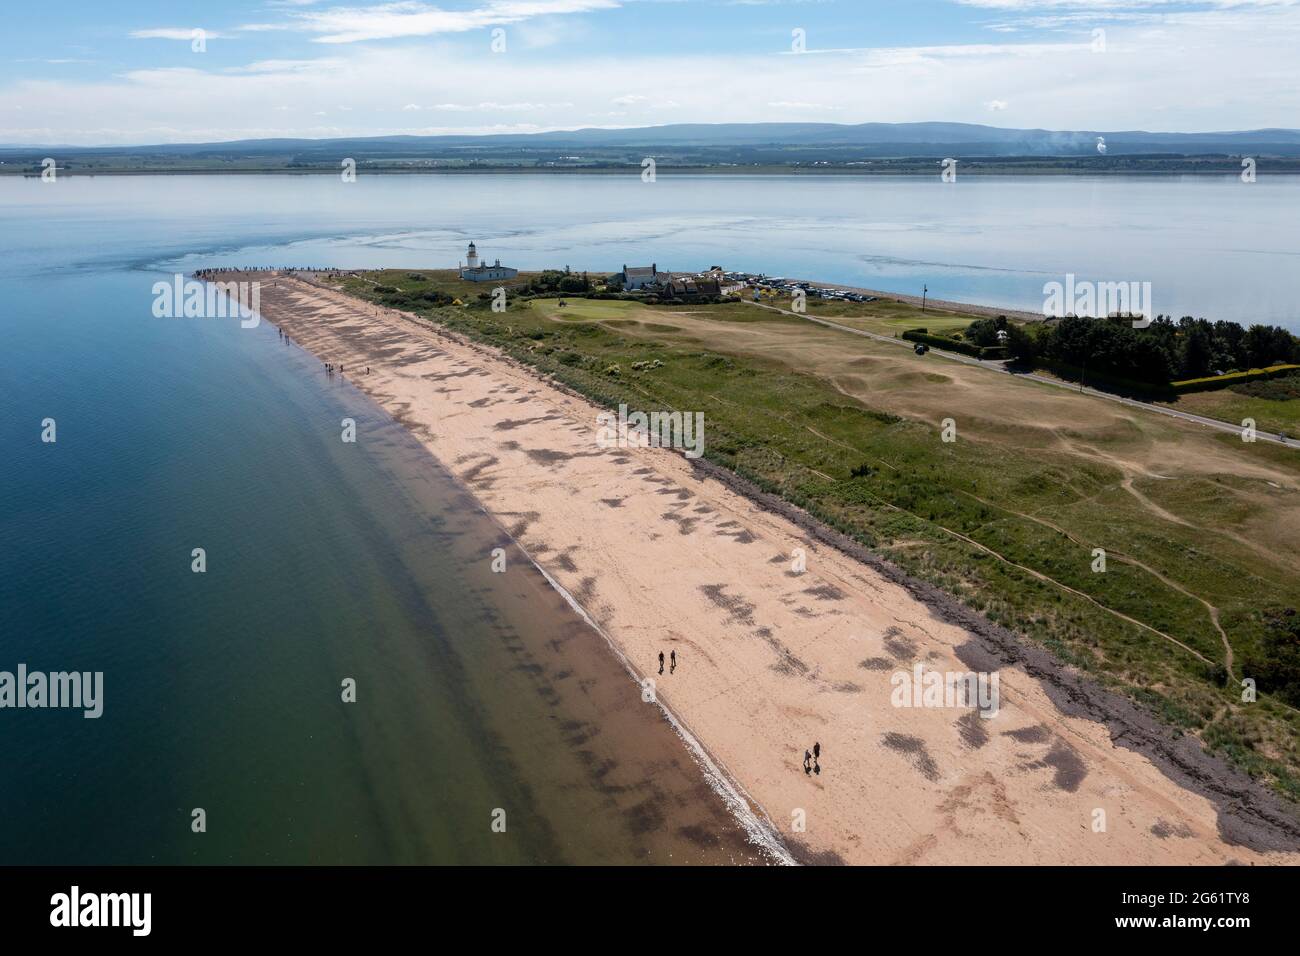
1197,527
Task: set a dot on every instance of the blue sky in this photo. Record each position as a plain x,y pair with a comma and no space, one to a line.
132,72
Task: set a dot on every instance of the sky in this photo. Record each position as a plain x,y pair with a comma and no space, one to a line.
87,72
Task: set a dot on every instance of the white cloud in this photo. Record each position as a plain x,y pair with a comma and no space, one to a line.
1195,70
176,33
287,66
407,18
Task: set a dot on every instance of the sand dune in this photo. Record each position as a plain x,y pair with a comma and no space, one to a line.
662,555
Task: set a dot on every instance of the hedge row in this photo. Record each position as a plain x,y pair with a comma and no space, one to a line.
956,345
1107,383
1232,378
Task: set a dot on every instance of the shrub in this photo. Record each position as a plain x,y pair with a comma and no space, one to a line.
1276,665
1278,389
1232,378
955,345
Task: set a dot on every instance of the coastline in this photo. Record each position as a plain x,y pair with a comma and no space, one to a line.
770,657
925,171
940,305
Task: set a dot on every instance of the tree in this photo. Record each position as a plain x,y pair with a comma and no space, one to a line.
1021,344
1197,358
982,332
1276,665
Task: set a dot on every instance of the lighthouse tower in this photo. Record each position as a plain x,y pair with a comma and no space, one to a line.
471,258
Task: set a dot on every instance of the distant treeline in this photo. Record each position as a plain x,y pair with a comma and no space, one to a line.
753,159
1163,352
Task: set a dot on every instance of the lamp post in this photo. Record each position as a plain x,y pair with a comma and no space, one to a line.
925,289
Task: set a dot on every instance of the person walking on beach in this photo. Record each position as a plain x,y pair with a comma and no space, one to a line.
817,751
807,763
661,662
673,657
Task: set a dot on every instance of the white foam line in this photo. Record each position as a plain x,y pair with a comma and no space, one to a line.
759,830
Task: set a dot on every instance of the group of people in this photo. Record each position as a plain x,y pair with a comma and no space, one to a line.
811,759
331,368
672,658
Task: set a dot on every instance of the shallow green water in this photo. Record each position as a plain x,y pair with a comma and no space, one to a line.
222,690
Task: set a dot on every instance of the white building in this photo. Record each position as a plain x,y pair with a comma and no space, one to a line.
638,277
476,271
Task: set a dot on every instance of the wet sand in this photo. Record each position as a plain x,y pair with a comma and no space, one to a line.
663,555
599,778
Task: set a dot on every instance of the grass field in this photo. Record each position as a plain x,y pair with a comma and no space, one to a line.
588,310
417,281
885,316
1270,415
1201,531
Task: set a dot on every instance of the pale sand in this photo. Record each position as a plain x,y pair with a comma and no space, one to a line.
662,557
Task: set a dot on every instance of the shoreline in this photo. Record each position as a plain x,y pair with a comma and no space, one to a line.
1076,747
753,820
942,305
925,172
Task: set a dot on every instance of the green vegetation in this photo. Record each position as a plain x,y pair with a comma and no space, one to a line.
401,289
1232,378
1160,353
884,316
1274,389
1273,404
955,344
1006,527
1277,660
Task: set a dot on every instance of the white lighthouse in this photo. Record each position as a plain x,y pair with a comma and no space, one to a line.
478,271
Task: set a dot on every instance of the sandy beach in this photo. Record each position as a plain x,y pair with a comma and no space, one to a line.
663,555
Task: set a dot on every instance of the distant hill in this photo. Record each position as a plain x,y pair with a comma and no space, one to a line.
891,138
894,145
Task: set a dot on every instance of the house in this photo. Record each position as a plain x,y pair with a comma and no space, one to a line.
638,277
476,271
686,288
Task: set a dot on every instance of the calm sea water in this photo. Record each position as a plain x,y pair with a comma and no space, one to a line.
1209,246
476,691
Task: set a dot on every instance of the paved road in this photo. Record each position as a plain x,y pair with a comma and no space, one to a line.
1229,427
